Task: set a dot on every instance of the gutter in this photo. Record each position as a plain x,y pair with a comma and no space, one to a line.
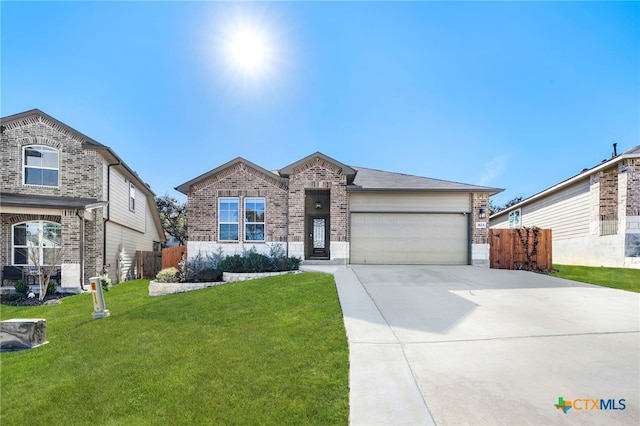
82,274
583,175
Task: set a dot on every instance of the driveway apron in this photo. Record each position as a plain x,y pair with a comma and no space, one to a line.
453,345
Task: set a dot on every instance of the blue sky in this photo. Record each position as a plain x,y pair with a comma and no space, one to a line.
511,95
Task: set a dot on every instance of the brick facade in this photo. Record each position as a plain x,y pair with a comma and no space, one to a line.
632,169
79,200
318,174
480,214
79,176
285,199
608,191
80,171
239,180
291,198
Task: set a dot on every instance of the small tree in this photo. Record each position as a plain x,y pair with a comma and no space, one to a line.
173,216
494,208
45,267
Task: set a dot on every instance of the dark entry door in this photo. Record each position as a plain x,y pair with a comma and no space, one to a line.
318,237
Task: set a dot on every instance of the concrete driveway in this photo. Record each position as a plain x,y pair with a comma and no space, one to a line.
457,345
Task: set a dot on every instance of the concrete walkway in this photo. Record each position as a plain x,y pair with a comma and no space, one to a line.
467,345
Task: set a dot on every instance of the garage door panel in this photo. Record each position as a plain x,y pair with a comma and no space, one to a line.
403,238
409,202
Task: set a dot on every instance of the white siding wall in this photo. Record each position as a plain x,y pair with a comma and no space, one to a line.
573,216
119,203
567,212
127,231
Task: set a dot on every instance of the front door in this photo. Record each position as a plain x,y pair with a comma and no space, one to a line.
318,237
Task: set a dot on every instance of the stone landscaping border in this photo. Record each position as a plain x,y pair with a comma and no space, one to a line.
161,289
232,277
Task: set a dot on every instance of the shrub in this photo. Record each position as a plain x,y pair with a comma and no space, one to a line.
51,288
15,296
205,268
209,267
232,264
293,263
209,275
252,261
21,287
168,275
278,257
105,281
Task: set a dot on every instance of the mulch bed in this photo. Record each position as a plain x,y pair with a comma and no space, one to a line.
34,301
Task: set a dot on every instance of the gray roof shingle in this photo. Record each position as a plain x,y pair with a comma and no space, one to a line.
48,201
378,180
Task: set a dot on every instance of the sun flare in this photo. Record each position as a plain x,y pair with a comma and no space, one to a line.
248,51
249,48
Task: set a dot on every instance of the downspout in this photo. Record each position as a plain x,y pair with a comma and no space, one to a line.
82,274
470,230
286,218
104,224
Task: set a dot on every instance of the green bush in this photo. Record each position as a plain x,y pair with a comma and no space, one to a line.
168,275
209,267
51,288
105,281
293,263
209,275
232,264
12,297
21,287
252,261
201,268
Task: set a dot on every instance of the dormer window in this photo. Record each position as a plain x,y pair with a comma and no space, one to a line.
40,165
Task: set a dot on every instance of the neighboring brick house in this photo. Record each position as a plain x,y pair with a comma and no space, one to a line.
322,210
594,216
61,188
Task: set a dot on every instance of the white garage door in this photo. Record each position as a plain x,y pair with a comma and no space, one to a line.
409,238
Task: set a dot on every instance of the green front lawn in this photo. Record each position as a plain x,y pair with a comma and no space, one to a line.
269,351
621,278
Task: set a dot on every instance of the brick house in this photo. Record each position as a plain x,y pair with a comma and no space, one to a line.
61,188
594,216
322,210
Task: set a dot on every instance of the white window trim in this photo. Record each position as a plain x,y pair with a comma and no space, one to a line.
512,223
264,223
132,197
40,238
25,166
220,222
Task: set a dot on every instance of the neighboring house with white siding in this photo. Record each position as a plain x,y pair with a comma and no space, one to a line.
61,188
594,216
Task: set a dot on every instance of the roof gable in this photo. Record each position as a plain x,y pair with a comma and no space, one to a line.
342,168
185,187
35,115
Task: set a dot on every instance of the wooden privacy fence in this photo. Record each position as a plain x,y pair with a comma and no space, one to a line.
171,256
520,248
148,264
